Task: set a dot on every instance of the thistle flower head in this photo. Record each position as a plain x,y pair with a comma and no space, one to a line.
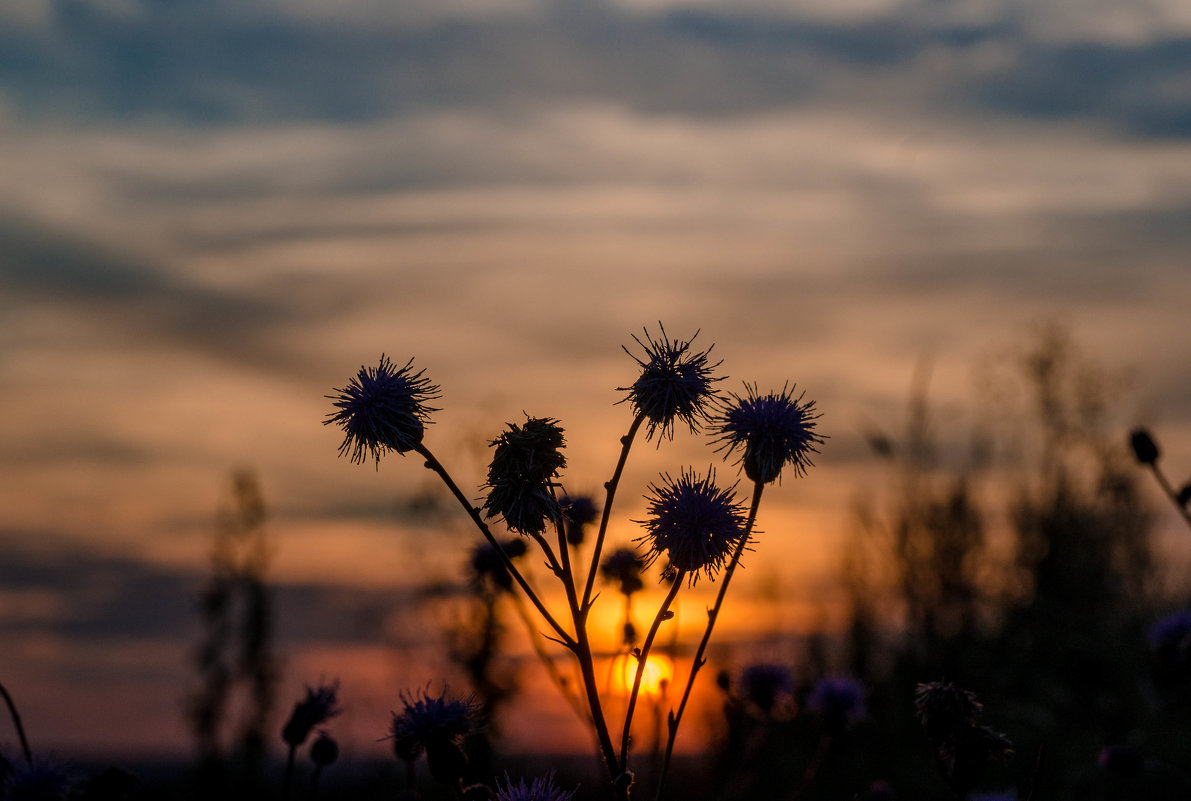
623,567
771,431
381,409
578,512
318,706
676,383
763,684
944,709
693,523
427,721
487,566
1145,450
542,788
839,703
324,750
525,460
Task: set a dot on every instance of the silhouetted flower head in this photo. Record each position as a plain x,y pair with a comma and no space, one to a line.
1124,761
525,460
318,706
944,709
676,383
382,408
623,567
324,750
542,788
963,748
693,523
487,566
426,721
763,684
839,703
578,511
1144,447
41,780
771,431
1170,638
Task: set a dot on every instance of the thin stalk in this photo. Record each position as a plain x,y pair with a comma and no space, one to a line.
318,770
587,662
16,722
1168,488
432,463
642,657
712,615
626,443
289,772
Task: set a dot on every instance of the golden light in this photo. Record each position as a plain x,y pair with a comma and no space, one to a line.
655,680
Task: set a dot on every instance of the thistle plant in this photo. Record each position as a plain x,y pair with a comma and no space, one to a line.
1147,453
694,528
320,705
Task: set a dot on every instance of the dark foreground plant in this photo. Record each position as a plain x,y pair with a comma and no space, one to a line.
694,528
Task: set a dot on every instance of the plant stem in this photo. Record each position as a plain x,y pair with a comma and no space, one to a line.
16,722
712,615
1168,488
642,657
289,772
432,463
626,443
587,662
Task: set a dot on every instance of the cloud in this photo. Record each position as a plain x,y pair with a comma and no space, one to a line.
215,64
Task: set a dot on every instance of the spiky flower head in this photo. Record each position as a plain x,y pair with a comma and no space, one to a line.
839,703
426,721
525,460
382,409
771,431
623,567
764,684
944,708
677,382
319,705
578,512
487,568
693,523
542,788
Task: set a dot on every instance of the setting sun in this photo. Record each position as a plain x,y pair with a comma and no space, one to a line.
655,681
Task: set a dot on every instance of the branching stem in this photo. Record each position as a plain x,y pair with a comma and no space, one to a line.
432,463
712,614
642,657
626,444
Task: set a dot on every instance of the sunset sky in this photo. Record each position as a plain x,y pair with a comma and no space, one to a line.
212,212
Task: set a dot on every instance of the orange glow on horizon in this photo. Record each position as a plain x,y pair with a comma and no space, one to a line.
655,680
